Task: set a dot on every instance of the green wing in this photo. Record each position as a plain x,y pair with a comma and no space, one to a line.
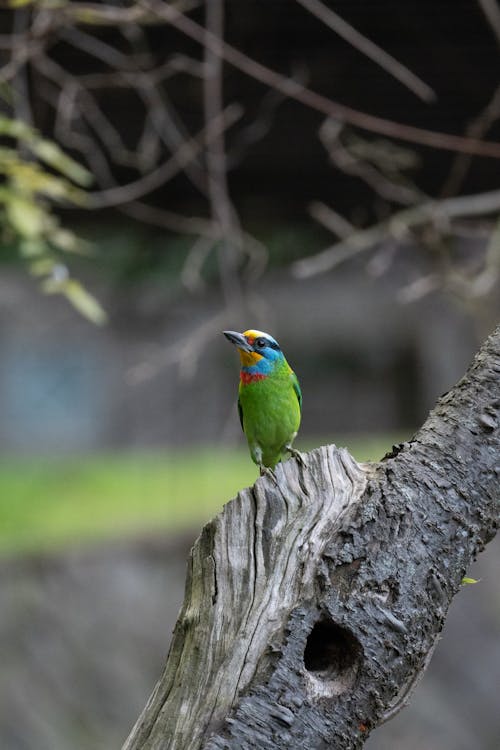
240,412
296,388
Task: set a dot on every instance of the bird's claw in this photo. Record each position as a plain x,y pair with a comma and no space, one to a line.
266,471
298,455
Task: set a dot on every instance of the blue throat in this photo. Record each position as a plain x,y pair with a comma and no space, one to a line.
264,366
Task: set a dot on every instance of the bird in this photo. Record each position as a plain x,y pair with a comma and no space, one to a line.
269,398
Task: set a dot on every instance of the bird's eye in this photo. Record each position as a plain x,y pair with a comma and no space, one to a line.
261,343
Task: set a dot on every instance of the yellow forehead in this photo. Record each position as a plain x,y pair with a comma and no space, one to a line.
253,334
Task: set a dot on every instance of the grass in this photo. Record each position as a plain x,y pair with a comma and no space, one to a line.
52,504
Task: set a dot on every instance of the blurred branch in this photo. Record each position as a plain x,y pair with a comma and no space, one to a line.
184,353
257,129
149,11
433,212
477,129
255,252
95,47
72,88
369,49
483,122
70,91
223,211
470,288
291,88
379,164
492,12
161,217
124,59
186,152
331,220
165,124
191,274
155,11
21,55
20,87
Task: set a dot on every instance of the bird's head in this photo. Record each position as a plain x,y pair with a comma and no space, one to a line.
256,349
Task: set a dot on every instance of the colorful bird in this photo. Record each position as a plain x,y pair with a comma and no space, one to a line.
270,399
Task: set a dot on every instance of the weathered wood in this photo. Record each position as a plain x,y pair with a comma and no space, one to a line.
313,604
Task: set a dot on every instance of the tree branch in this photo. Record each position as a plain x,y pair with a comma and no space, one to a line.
313,603
295,90
223,212
369,49
397,225
186,152
155,11
492,12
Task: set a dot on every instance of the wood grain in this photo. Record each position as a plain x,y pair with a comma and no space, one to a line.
313,602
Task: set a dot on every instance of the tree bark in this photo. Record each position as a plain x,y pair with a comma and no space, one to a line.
313,603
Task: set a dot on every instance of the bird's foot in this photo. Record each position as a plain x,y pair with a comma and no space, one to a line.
297,454
266,471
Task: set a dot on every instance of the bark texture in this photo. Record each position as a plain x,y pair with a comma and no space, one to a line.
313,604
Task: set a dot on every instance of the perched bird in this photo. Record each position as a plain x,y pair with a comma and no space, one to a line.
269,400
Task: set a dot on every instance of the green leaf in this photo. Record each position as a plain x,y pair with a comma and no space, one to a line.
29,178
470,580
47,151
42,267
81,300
69,242
50,153
16,129
19,3
27,218
33,248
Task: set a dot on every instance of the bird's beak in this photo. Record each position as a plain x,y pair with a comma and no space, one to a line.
238,340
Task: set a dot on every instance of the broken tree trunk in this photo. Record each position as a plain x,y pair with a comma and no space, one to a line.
313,603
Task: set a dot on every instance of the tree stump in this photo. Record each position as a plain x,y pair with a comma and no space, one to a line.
313,603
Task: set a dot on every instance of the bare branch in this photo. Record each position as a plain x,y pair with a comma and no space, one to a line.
160,217
492,12
184,353
185,153
374,163
95,47
291,88
331,220
20,56
398,226
91,111
419,288
222,210
477,129
64,104
369,49
20,90
163,123
257,129
152,11
191,275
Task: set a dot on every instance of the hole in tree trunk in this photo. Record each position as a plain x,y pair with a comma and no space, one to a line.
332,657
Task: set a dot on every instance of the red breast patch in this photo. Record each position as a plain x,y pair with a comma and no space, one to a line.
251,377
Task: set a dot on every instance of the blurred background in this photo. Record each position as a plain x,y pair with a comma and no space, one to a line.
326,172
